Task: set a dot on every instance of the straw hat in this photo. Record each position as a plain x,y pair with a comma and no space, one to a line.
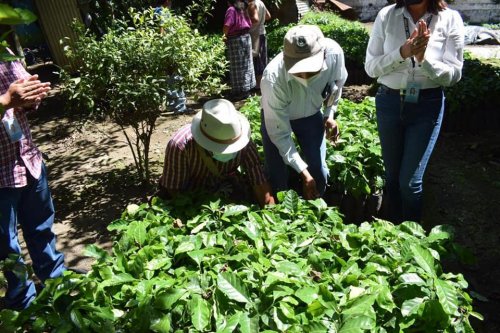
219,128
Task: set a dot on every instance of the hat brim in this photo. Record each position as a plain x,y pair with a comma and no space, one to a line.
305,65
220,148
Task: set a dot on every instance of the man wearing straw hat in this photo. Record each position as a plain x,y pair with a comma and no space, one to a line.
206,155
307,75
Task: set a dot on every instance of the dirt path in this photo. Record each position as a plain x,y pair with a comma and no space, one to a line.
91,174
93,180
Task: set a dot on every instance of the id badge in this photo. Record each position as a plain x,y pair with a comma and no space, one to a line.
13,129
412,92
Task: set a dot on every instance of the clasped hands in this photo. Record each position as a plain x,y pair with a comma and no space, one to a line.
417,43
25,93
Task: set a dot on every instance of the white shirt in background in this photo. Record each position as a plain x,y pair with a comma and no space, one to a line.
443,59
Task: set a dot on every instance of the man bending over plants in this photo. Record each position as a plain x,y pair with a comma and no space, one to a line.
308,73
207,154
24,192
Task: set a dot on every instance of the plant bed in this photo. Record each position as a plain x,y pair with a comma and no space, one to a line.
194,266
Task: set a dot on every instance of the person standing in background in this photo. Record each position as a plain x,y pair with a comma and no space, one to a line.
257,9
236,29
415,49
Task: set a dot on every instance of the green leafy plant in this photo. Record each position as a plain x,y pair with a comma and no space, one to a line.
355,162
125,74
478,88
351,36
291,267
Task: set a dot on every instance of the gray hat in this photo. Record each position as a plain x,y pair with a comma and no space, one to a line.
303,49
219,128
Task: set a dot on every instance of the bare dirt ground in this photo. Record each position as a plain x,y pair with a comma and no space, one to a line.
92,179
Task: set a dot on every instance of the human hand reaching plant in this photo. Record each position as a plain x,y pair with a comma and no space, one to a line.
331,130
309,186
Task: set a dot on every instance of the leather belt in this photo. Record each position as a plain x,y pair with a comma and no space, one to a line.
423,92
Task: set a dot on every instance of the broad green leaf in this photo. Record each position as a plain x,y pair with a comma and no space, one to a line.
307,294
95,252
159,263
233,287
137,231
360,305
306,242
287,310
315,327
385,299
199,227
289,267
413,228
291,201
13,16
411,278
316,309
252,230
77,319
184,247
234,210
231,324
410,306
423,258
199,311
358,323
249,324
162,325
167,299
280,321
447,296
116,280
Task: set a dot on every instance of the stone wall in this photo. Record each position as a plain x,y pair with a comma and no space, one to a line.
472,11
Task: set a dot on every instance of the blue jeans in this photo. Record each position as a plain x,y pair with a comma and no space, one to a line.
408,133
32,207
310,135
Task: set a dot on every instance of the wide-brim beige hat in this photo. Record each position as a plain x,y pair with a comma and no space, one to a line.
303,49
219,128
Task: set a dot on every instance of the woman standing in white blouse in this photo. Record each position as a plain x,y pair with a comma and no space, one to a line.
415,49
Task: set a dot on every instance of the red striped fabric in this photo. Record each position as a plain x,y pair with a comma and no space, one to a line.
184,168
16,158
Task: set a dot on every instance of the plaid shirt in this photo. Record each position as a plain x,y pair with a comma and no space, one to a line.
184,168
16,158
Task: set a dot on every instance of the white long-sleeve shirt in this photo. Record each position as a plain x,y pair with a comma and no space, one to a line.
285,99
443,58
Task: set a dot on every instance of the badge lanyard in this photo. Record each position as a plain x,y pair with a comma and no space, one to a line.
412,86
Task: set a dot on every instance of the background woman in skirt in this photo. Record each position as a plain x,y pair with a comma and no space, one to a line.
236,29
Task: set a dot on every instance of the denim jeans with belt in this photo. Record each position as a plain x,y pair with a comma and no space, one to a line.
310,135
32,207
408,133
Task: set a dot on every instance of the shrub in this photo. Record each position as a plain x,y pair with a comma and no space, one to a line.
292,267
351,36
478,88
126,74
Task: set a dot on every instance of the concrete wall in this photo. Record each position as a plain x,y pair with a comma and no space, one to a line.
472,11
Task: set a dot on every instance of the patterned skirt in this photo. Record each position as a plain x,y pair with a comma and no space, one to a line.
241,72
